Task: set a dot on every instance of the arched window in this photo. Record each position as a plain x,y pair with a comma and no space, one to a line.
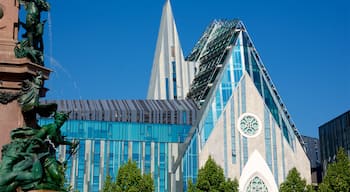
257,185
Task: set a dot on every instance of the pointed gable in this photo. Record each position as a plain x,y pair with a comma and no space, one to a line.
171,75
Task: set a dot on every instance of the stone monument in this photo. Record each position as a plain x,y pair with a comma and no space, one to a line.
13,71
28,150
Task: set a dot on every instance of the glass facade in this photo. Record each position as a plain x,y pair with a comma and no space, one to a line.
262,82
225,53
232,72
105,146
189,162
333,135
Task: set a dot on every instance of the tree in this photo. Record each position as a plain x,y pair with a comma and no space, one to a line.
211,178
337,176
294,183
129,179
109,185
191,187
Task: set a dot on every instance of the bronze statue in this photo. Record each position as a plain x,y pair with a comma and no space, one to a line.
20,166
32,47
29,160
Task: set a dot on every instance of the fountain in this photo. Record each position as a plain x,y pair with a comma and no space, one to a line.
28,154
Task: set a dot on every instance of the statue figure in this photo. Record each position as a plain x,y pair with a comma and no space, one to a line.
29,160
20,166
31,93
33,46
53,138
29,101
33,26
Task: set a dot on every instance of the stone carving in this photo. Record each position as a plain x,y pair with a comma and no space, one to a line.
32,47
29,160
249,125
7,97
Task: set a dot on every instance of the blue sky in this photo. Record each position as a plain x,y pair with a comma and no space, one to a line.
105,49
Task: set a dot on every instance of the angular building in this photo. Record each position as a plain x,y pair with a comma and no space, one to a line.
312,146
171,75
220,102
333,135
243,123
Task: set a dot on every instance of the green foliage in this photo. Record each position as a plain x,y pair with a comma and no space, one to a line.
129,179
294,183
337,176
109,185
211,179
191,187
229,185
147,183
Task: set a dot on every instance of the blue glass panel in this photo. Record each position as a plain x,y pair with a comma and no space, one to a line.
208,125
283,160
218,105
237,62
274,148
243,97
167,87
226,86
190,163
136,152
223,92
156,166
245,150
184,117
256,75
147,157
268,153
175,89
81,162
225,146
233,132
128,131
246,47
125,153
271,103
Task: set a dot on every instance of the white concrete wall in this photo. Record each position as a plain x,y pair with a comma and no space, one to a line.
255,105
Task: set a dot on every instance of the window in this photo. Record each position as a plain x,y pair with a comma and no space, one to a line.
257,185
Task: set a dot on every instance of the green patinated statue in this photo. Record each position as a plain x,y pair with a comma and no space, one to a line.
29,160
32,47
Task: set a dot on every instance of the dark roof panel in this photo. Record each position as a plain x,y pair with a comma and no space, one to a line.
140,111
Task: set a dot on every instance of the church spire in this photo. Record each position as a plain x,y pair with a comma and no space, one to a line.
169,78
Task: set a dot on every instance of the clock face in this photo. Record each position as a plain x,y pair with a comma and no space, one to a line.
249,125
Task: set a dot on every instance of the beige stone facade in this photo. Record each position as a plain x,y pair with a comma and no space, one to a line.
273,163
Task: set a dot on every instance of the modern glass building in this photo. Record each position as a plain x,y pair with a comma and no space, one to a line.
219,102
112,131
242,123
333,135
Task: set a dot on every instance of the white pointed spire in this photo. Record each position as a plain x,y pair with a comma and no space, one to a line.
171,76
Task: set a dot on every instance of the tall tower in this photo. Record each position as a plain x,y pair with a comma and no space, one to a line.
171,74
13,71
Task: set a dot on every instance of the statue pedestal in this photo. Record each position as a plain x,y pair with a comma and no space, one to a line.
10,118
13,71
12,74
